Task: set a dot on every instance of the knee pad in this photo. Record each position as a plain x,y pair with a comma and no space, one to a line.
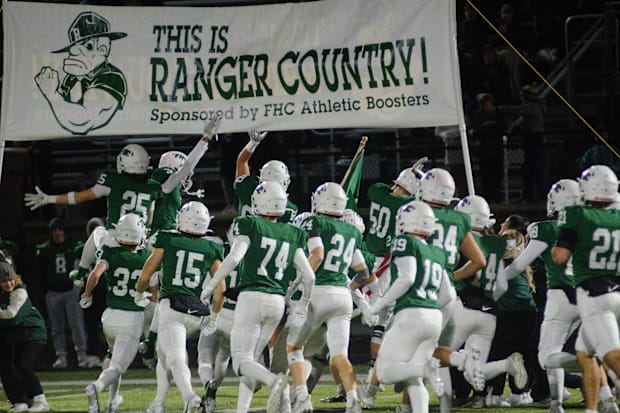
295,356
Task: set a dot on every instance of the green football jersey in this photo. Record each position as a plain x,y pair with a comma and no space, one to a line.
519,296
431,264
185,263
127,195
124,268
55,262
382,217
598,241
271,251
28,325
557,275
449,234
244,187
340,240
492,248
168,205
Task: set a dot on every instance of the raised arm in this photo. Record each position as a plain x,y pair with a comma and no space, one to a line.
209,131
243,159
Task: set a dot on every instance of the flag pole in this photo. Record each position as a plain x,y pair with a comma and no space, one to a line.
360,149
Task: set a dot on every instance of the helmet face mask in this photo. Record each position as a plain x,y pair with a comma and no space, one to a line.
598,183
277,171
133,159
269,199
415,217
193,219
130,230
478,209
562,194
329,199
437,186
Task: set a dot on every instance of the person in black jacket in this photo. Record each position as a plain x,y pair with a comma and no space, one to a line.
22,336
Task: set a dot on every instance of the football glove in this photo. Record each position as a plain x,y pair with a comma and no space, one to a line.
208,324
147,349
257,135
34,201
205,295
142,299
211,127
86,302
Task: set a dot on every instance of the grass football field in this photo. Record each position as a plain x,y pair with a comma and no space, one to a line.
65,393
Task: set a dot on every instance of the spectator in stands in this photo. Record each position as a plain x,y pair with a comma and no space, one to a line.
22,336
599,154
510,26
487,125
494,76
529,123
56,258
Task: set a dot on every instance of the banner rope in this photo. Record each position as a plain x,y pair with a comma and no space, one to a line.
558,94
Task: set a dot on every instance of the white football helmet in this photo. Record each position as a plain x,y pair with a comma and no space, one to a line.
133,159
437,186
130,229
172,159
299,218
193,218
351,217
329,199
598,183
408,180
562,194
478,209
269,199
175,160
616,204
275,171
415,217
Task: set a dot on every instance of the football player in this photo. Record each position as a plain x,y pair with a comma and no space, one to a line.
122,319
419,271
384,203
128,190
273,170
560,318
262,249
475,320
589,239
185,256
453,234
334,247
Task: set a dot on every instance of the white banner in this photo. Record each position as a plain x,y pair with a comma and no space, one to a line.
73,70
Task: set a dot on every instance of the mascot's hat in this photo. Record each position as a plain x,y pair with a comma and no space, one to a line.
87,25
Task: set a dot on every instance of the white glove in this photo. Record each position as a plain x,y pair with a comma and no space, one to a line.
86,302
369,318
375,309
34,201
78,281
205,295
211,127
298,313
142,299
257,135
208,324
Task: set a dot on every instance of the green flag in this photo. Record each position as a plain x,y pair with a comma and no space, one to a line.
353,179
